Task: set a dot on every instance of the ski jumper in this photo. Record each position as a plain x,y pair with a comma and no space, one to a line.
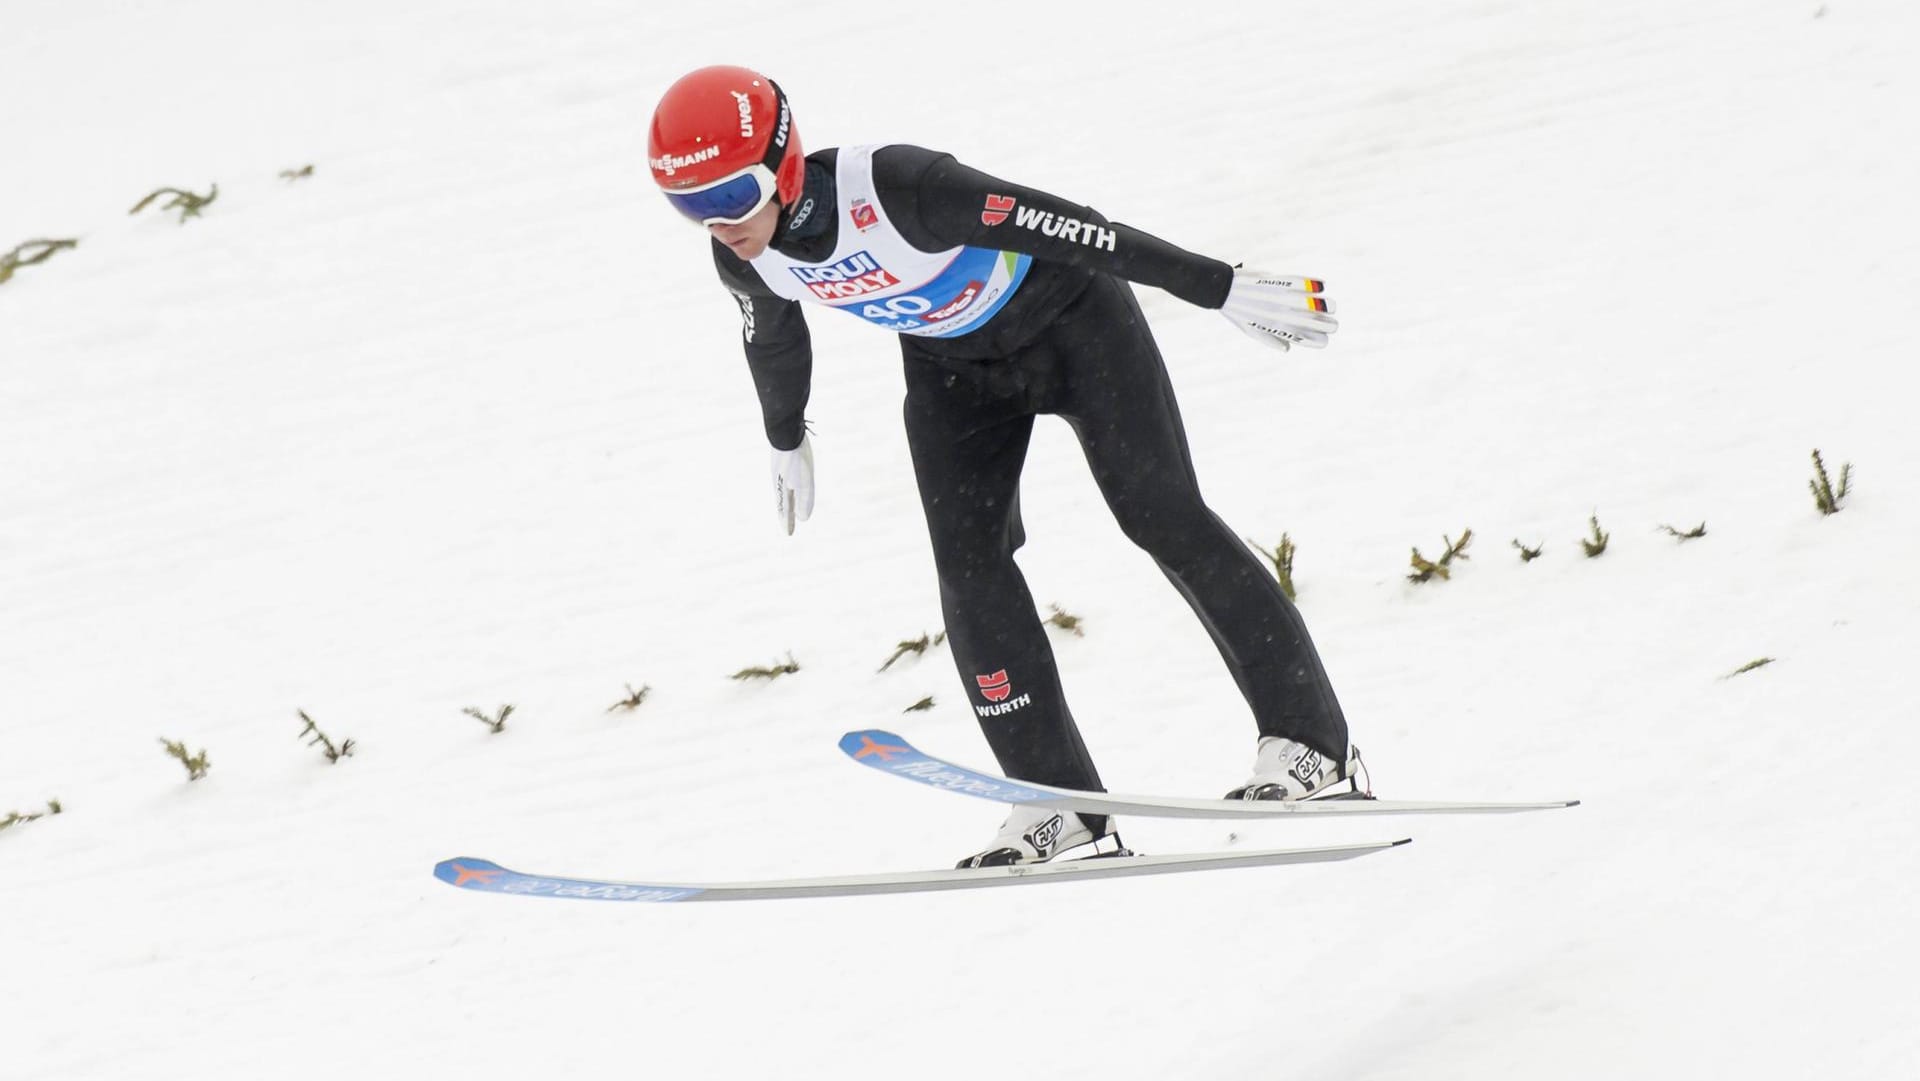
1011,303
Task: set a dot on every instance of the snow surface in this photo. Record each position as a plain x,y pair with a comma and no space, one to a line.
460,421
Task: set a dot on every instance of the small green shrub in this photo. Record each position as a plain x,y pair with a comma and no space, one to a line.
1825,495
496,723
1282,559
187,203
30,253
15,818
1596,542
915,646
196,764
1425,570
316,738
770,672
633,699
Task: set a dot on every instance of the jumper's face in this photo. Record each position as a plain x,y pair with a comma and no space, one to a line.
751,237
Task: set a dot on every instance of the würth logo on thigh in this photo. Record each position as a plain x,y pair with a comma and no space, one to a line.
997,687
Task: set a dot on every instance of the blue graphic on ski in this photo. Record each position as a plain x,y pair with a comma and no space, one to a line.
488,877
893,755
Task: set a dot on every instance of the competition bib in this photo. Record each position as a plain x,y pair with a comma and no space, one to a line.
875,274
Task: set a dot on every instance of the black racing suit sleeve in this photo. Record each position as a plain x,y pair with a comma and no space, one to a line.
936,203
779,350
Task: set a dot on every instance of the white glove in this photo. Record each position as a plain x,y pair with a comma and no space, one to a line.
1280,310
793,483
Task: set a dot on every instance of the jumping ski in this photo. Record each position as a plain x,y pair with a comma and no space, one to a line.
486,876
890,754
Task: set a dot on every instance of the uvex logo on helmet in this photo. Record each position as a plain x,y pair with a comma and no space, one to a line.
785,125
716,122
746,113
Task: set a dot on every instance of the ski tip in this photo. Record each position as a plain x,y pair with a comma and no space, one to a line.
870,741
467,871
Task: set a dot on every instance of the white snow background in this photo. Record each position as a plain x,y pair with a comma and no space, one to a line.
461,421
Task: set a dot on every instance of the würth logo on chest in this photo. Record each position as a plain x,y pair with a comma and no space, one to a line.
855,276
997,687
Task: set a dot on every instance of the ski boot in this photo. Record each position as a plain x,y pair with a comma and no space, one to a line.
1286,770
1041,834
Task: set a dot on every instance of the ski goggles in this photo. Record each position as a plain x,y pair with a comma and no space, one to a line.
729,200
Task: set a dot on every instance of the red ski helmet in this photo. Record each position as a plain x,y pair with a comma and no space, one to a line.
723,143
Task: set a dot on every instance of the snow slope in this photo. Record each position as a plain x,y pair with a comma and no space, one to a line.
460,421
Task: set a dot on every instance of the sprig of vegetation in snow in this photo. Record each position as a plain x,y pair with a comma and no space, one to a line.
1425,570
1596,542
1692,534
768,672
316,738
1282,559
633,699
914,646
187,203
1825,496
1065,620
496,723
15,818
31,252
196,764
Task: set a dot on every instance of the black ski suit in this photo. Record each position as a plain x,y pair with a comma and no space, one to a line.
1071,341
